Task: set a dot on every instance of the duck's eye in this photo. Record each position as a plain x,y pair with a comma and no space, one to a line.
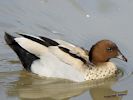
109,49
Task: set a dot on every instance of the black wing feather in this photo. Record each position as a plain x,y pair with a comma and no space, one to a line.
25,57
45,41
50,41
73,55
36,40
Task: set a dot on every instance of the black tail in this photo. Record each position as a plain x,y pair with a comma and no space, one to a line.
25,57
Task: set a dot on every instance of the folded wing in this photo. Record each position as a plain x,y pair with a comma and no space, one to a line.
30,48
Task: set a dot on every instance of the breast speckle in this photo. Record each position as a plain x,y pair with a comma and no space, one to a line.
100,72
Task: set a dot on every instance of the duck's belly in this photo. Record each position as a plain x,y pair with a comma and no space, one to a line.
50,66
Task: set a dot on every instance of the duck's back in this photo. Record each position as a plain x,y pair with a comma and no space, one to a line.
46,57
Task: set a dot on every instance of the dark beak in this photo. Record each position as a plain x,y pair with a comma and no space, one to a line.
121,57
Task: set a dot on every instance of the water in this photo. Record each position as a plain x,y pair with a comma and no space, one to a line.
82,22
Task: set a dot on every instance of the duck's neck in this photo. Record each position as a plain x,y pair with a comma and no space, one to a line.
99,62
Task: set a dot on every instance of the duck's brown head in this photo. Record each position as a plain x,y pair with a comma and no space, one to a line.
103,51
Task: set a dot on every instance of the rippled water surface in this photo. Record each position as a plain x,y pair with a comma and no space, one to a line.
82,22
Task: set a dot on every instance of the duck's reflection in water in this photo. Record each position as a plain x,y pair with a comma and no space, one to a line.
32,87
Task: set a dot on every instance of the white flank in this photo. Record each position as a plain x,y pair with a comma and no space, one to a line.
49,65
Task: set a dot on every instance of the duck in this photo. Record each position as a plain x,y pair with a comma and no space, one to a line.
56,58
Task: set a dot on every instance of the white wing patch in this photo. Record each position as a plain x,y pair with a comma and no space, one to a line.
74,62
31,46
74,49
